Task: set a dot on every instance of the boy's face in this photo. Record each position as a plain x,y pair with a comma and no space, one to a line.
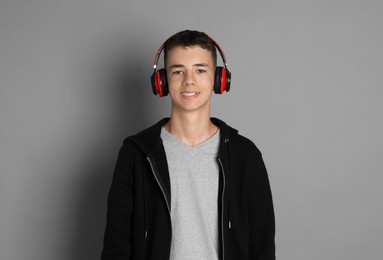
190,73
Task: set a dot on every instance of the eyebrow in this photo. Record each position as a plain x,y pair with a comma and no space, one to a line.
194,65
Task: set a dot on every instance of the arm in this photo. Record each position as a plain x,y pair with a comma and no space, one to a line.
261,210
119,211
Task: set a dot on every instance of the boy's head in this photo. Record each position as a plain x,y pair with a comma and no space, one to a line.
186,39
190,38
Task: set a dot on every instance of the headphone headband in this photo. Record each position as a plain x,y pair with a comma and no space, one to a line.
157,57
162,47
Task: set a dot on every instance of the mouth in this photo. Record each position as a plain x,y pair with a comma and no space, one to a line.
189,94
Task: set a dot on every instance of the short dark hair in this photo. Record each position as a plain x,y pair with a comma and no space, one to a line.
189,38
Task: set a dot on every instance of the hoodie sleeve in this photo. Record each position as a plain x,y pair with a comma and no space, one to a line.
117,243
260,208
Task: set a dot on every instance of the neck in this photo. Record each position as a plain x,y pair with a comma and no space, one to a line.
191,129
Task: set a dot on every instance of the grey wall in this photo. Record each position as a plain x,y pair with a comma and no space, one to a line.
307,89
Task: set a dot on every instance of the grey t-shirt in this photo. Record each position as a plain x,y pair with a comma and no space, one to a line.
194,175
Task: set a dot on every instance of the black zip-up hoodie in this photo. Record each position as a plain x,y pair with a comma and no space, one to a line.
138,217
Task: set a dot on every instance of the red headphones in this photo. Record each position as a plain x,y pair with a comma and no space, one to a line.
222,76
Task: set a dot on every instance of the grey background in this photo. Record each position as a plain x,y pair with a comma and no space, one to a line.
307,89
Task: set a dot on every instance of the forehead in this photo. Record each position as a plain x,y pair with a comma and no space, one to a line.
186,54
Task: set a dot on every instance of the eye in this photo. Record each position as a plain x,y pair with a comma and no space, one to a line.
199,71
177,72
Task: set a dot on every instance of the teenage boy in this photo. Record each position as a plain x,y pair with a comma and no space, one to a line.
190,187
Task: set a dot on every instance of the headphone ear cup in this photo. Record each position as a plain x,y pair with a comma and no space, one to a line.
228,80
222,80
164,82
159,83
153,81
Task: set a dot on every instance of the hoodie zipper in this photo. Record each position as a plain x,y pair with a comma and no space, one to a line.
167,202
223,205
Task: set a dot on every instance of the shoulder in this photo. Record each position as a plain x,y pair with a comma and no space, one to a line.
244,146
148,140
238,141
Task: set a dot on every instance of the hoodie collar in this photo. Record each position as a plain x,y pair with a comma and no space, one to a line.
149,139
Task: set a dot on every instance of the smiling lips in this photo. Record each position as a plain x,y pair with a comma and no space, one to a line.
189,94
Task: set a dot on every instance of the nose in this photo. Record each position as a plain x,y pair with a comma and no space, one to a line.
188,79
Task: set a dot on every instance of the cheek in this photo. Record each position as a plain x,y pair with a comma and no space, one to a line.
210,82
172,82
211,77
